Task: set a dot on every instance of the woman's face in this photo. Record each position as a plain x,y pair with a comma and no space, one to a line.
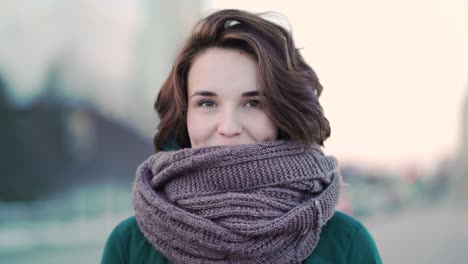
223,102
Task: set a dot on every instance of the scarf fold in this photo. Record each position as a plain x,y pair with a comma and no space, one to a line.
255,203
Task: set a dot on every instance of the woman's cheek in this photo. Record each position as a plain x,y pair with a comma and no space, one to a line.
193,125
200,125
263,127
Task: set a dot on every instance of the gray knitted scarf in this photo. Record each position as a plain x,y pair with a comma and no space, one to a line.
255,203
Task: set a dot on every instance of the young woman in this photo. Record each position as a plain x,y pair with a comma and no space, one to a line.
238,175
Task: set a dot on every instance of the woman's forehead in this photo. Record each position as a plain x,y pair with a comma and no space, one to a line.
223,71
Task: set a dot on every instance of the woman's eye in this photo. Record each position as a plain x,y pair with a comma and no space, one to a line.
206,104
253,104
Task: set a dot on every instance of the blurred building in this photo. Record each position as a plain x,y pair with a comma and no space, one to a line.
460,183
464,153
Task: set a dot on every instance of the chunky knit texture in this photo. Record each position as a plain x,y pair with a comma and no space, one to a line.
255,203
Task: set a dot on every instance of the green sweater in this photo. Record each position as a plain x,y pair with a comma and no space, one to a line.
342,240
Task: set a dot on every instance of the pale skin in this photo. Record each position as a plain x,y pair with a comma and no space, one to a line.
223,102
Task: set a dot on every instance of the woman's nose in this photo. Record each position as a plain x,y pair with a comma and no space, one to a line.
229,125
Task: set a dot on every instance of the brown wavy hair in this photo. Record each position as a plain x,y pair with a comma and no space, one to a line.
289,88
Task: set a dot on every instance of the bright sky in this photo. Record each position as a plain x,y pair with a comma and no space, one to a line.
394,74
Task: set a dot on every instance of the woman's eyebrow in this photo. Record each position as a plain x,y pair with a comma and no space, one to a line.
250,94
203,93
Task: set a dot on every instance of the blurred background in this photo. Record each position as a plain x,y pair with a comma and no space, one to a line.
78,79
